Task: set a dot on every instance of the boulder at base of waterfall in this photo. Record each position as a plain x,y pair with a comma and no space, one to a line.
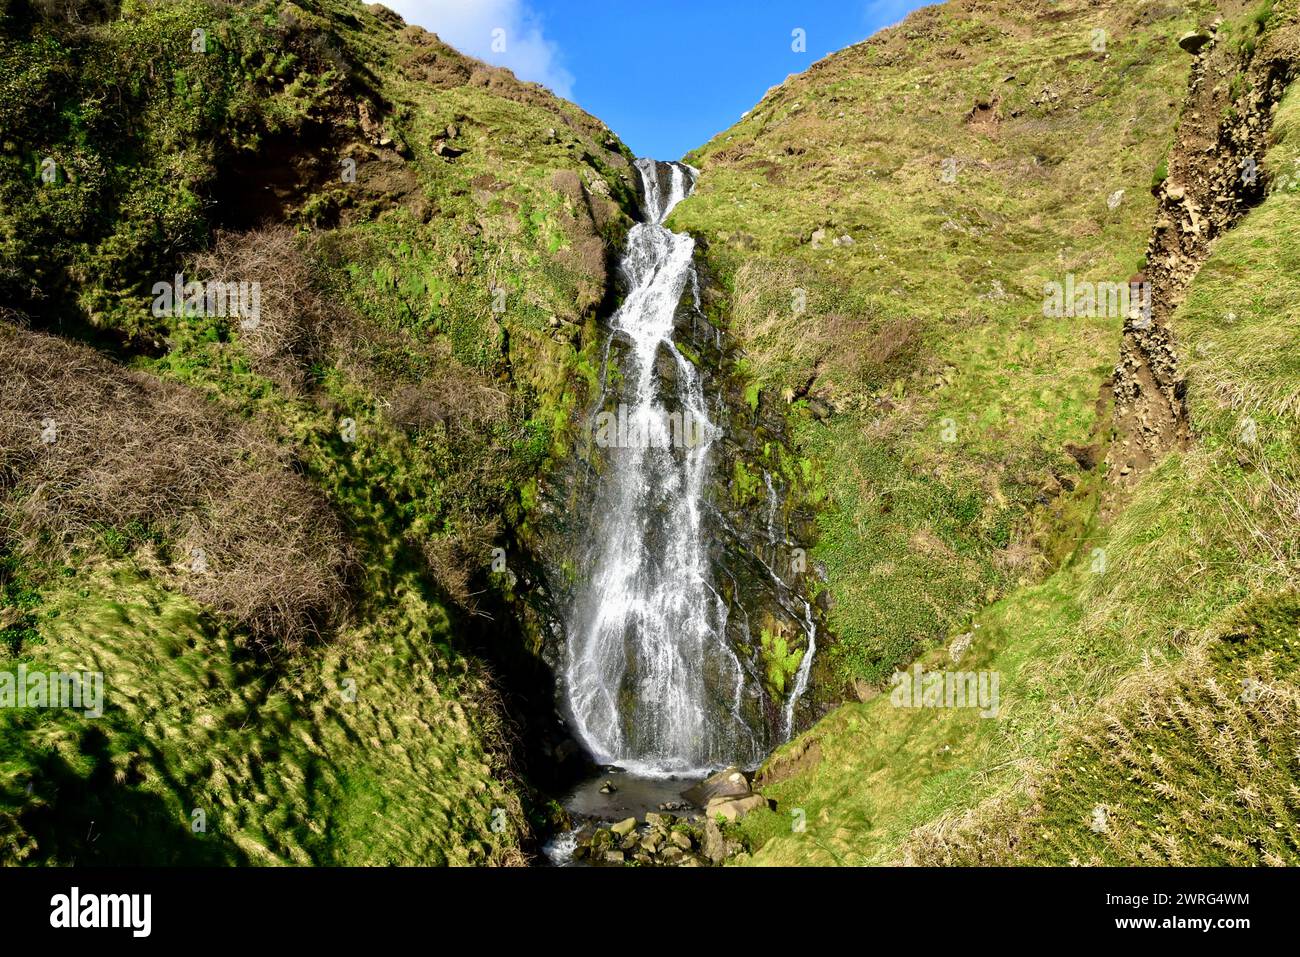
681,839
733,809
728,783
714,846
625,827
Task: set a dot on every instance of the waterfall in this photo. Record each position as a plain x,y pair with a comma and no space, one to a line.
651,681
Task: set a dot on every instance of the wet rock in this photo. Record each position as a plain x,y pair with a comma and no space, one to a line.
566,750
715,847
659,820
681,839
614,857
730,782
624,827
608,788
732,810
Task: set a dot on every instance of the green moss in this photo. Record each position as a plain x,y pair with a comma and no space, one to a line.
745,484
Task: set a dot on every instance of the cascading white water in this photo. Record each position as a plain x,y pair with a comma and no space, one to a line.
651,680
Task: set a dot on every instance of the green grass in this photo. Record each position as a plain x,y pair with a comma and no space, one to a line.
361,753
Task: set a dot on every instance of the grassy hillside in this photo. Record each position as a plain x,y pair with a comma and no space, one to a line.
969,157
1142,621
281,537
275,537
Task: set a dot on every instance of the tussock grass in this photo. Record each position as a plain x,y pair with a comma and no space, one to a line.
371,751
1187,764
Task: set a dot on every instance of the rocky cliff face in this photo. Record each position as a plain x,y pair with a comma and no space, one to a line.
1213,176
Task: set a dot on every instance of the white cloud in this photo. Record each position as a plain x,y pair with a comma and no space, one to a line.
468,25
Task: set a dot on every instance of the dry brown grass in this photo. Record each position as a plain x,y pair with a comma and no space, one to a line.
990,834
86,447
452,558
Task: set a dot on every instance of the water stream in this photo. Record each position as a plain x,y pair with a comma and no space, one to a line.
651,681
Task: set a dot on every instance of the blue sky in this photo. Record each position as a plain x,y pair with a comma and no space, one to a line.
665,75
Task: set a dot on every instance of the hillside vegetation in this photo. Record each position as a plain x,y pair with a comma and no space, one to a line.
304,546
1132,584
274,533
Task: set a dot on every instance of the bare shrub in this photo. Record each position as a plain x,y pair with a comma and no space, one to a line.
76,12
295,321
866,348
86,446
456,400
451,558
892,341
